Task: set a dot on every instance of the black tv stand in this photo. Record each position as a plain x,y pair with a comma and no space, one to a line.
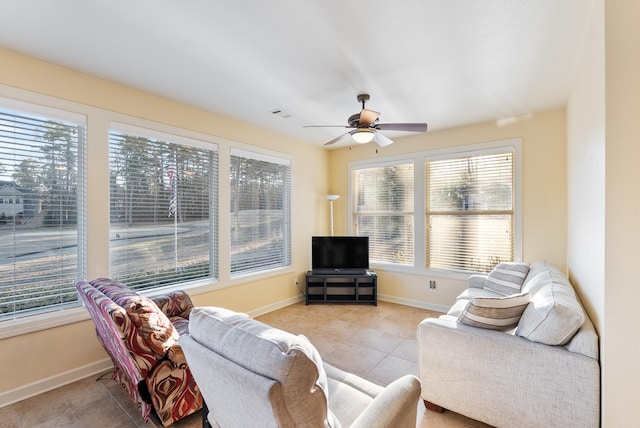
341,288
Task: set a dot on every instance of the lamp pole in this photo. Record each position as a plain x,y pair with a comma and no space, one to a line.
331,198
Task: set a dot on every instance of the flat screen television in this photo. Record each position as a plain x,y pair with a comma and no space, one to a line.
340,255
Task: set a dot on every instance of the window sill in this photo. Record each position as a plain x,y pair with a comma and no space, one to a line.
433,273
34,323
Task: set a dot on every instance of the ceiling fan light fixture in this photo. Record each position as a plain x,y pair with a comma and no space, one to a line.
363,136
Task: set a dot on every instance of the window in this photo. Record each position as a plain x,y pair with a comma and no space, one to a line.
455,210
383,201
163,198
42,188
260,209
469,211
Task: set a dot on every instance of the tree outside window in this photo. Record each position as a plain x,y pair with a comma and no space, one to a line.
383,210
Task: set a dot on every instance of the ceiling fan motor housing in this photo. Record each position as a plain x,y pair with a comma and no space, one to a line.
354,120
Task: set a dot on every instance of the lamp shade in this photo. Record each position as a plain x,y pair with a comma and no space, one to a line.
363,136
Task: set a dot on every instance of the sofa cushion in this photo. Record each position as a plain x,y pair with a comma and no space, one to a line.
541,274
152,324
554,314
350,394
534,269
458,307
272,353
506,278
176,303
495,313
470,293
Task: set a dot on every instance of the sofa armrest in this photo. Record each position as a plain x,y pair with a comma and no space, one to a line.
475,372
476,281
174,304
395,406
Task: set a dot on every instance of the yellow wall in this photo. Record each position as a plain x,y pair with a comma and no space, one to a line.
586,172
604,199
544,205
620,350
53,355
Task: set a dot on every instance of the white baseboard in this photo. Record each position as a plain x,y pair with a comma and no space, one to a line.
275,306
32,389
415,303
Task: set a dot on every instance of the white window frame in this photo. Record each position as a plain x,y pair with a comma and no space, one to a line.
153,132
387,162
419,159
37,104
275,158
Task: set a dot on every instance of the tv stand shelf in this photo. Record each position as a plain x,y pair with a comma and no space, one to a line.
341,288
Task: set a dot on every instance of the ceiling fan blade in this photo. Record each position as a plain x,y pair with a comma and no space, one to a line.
368,117
381,140
335,140
411,127
326,126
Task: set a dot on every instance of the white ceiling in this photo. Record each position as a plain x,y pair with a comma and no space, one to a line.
444,62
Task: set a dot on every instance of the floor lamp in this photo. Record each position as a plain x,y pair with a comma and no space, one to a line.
331,198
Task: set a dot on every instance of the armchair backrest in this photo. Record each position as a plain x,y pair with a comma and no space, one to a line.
248,371
145,330
113,329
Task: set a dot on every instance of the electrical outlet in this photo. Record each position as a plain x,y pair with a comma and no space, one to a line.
432,284
296,282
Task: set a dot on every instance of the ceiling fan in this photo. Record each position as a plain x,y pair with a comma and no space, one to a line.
365,127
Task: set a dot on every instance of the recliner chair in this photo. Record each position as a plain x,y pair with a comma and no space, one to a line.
141,337
251,374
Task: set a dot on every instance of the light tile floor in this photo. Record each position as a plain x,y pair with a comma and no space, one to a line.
375,342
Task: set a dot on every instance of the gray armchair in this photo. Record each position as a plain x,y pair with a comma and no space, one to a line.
251,374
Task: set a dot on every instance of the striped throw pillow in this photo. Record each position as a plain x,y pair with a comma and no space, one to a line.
506,278
495,313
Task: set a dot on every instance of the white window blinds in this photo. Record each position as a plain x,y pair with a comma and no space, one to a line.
383,210
162,210
260,212
469,215
42,189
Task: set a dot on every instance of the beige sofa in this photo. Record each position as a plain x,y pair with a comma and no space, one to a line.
251,374
532,363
